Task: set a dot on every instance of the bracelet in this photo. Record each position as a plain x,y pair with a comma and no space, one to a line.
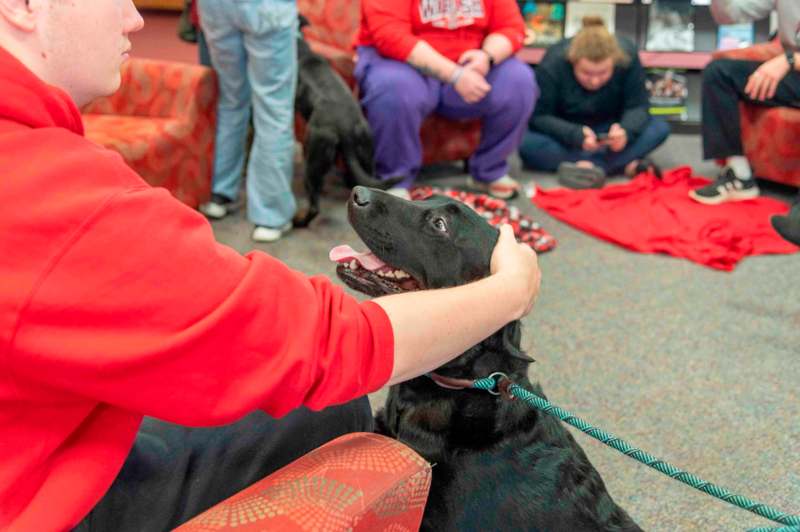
491,58
456,75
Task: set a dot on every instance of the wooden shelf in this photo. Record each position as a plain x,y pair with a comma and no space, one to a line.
173,5
687,60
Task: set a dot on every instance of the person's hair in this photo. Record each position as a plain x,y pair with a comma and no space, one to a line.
595,43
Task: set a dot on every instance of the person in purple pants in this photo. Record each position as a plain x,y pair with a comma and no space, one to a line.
418,57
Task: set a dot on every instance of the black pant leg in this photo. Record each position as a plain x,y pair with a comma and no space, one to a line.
724,81
174,473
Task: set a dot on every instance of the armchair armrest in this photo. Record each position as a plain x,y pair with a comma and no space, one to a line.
160,89
358,482
758,52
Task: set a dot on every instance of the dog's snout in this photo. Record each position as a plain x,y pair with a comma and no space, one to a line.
361,196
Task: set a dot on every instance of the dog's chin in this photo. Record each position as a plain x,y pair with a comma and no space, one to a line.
375,284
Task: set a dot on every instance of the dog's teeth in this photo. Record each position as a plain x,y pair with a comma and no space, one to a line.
354,264
389,274
400,274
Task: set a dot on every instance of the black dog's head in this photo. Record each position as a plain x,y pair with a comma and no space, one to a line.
435,243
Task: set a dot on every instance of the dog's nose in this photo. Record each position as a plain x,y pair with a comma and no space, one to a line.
361,196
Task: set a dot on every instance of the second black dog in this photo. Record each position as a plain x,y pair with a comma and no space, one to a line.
499,464
335,126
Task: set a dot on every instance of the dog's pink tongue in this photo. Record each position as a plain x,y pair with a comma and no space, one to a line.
345,253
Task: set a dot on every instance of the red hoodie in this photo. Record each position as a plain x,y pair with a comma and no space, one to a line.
116,302
451,27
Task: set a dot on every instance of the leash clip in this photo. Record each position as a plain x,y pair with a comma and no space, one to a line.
501,385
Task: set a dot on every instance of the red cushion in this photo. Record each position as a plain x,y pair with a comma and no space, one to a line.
162,121
359,482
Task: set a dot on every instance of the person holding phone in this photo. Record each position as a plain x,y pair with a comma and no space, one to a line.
592,118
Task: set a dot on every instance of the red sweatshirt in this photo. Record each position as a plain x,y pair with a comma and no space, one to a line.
116,301
451,27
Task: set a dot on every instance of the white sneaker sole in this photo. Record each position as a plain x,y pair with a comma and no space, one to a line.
740,195
214,211
270,234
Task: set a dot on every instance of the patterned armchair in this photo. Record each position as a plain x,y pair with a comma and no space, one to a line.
357,482
769,134
334,24
162,122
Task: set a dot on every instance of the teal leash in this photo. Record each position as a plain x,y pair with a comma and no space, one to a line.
500,381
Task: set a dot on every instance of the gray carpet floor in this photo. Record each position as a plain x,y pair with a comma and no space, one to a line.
695,366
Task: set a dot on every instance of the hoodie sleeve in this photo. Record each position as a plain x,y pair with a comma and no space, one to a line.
389,25
506,20
736,11
144,310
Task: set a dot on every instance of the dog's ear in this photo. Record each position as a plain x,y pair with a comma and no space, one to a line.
512,334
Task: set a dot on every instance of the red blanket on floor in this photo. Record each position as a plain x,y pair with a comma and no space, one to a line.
657,216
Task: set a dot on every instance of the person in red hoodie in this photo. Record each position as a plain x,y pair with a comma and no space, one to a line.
117,303
454,58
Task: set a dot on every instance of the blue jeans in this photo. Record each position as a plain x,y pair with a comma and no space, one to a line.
542,152
253,49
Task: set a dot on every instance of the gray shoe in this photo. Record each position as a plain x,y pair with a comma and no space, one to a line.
217,208
580,177
789,226
262,233
727,187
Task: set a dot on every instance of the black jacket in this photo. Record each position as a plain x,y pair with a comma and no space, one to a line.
565,106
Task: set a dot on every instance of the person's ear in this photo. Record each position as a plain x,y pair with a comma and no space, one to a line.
19,14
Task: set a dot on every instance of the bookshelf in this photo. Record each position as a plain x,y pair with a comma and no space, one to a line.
631,19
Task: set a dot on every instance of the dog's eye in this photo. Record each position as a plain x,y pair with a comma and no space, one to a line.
440,225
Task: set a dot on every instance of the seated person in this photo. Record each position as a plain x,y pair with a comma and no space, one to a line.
594,109
726,82
145,366
417,57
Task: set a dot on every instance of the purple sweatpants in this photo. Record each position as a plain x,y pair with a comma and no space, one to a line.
396,99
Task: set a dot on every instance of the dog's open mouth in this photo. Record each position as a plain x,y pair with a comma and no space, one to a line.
369,275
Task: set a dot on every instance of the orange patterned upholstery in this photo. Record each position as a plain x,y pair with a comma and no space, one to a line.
334,24
357,482
162,122
769,134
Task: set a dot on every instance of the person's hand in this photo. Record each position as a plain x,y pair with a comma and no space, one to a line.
617,138
589,140
519,264
763,83
472,86
478,60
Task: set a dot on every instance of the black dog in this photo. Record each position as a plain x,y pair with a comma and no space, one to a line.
499,464
335,126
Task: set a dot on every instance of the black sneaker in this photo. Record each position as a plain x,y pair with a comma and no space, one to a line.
727,187
217,207
789,226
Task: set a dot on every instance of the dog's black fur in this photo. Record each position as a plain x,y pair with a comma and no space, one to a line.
335,126
498,464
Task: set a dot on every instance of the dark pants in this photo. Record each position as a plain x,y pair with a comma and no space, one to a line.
174,473
396,99
203,56
724,81
544,153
